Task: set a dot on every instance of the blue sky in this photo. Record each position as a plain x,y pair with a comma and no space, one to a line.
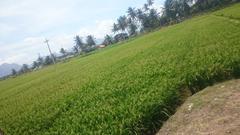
24,24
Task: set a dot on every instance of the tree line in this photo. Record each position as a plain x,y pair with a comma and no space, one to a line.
135,22
147,18
80,47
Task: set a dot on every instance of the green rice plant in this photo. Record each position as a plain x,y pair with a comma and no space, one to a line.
129,88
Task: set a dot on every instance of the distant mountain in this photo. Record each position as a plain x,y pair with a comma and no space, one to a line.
6,69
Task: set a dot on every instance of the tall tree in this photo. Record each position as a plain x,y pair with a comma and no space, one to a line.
133,21
14,72
90,41
150,2
75,49
132,13
79,43
140,14
48,61
132,29
63,51
122,23
115,28
146,7
40,61
184,8
154,18
35,65
170,9
24,68
108,40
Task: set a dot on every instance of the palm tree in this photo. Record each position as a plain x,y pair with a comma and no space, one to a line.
150,2
75,49
132,13
63,52
132,29
35,65
24,68
146,8
142,17
79,43
90,41
140,14
170,9
184,8
48,60
122,23
154,18
115,28
40,61
14,72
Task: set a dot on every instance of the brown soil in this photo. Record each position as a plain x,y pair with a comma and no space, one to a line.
213,111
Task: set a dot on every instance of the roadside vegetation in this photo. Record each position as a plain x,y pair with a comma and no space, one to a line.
214,110
128,88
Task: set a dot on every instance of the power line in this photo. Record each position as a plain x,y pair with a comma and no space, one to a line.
47,42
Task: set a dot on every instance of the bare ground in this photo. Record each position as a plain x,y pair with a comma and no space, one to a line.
213,111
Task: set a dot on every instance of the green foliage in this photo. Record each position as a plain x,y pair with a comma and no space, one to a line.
120,37
174,11
125,89
40,60
122,23
108,40
132,13
202,5
115,28
132,29
80,46
63,51
24,68
90,41
48,60
35,65
14,72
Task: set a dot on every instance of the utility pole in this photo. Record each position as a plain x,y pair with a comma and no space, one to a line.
46,41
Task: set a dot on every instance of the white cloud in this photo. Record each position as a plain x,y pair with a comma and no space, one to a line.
24,25
33,40
33,16
14,58
100,29
27,50
21,52
6,28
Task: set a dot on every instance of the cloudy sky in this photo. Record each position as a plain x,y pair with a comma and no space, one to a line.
24,24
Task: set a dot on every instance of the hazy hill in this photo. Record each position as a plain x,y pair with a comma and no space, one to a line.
6,69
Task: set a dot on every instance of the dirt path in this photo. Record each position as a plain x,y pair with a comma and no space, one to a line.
213,111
